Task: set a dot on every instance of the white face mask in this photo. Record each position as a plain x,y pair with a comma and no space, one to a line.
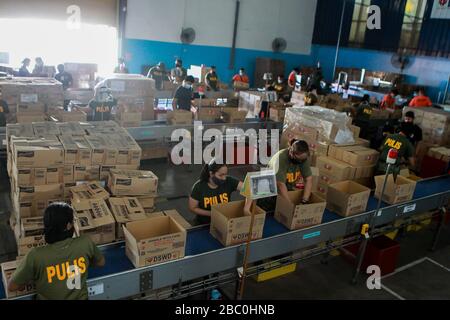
280,81
188,86
241,73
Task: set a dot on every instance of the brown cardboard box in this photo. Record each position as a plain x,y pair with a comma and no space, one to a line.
233,115
396,192
336,151
347,198
335,168
128,151
68,174
277,115
364,172
239,85
31,208
67,193
30,117
25,177
93,218
45,128
321,189
76,150
37,107
89,191
86,173
154,240
208,114
204,102
31,235
41,192
315,175
361,157
230,226
132,183
148,203
104,170
102,152
66,116
8,269
174,214
55,175
124,86
296,215
129,119
125,210
70,129
179,117
355,130
37,153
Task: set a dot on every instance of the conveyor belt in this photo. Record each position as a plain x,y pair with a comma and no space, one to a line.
199,241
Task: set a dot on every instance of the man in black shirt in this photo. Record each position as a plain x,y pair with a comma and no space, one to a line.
64,77
184,94
416,136
102,105
159,74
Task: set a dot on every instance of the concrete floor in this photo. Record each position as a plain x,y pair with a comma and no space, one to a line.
311,280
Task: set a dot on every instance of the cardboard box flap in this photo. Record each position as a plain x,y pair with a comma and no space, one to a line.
152,228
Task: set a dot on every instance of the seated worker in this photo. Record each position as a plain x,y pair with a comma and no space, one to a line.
241,76
64,77
182,99
400,142
416,136
101,105
212,80
292,168
280,88
23,71
4,109
215,186
389,100
178,74
421,100
159,74
54,267
121,67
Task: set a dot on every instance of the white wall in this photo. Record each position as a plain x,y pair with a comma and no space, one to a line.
260,21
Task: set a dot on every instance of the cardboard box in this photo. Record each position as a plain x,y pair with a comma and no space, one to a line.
154,240
321,189
132,183
86,173
37,153
125,210
230,226
296,215
364,172
208,114
128,151
30,235
76,150
347,198
355,130
104,170
89,191
31,107
179,117
25,177
31,208
70,129
29,193
204,102
66,116
233,115
148,203
102,152
396,192
361,156
277,115
239,85
45,128
335,168
68,174
174,214
67,194
8,269
30,117
93,218
315,175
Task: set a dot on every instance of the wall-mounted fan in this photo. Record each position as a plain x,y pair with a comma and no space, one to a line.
279,45
187,35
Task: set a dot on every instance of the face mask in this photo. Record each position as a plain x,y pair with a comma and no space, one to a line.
188,86
218,181
241,73
280,81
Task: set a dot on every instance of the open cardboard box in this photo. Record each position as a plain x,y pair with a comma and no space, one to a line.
347,198
231,226
154,240
400,190
8,269
124,210
296,215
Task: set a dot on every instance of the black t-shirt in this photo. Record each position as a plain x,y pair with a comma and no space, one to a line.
212,80
3,110
208,197
102,110
416,136
184,97
158,75
65,78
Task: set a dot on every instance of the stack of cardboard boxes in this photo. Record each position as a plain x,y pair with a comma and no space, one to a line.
135,93
277,110
83,74
251,101
30,98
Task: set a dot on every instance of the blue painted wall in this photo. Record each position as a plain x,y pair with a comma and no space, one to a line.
428,71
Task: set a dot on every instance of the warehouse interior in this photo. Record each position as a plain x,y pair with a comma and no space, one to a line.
225,149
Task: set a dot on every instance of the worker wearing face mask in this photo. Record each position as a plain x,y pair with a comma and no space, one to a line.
184,95
178,74
292,168
102,105
415,135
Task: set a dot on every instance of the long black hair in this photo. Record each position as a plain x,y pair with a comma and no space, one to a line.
213,167
56,217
